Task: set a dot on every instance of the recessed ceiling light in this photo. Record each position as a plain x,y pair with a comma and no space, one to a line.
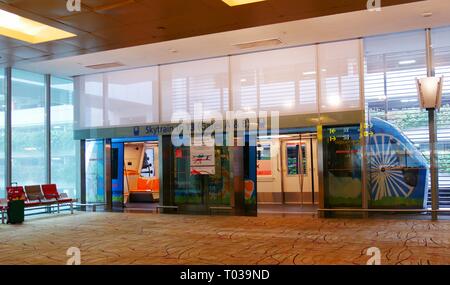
105,65
259,44
309,73
20,28
406,62
240,2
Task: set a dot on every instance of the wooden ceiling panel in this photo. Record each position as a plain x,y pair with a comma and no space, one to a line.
109,24
90,21
52,9
87,41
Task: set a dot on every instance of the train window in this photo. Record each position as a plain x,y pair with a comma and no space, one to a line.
292,154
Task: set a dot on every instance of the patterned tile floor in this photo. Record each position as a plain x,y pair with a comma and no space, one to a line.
109,238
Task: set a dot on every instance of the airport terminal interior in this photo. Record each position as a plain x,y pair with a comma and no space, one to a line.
162,131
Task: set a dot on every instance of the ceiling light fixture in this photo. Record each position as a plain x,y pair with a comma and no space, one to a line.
233,3
105,65
406,62
23,29
259,44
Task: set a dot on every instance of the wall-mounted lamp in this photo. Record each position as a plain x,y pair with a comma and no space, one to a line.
430,92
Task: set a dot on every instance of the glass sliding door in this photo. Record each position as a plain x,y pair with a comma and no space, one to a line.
28,128
95,171
64,149
342,167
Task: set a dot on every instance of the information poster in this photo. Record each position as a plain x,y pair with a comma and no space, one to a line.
203,160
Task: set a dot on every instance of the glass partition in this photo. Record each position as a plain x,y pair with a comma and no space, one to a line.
120,98
339,76
342,167
95,172
280,80
193,188
28,128
2,132
398,146
196,82
64,149
441,60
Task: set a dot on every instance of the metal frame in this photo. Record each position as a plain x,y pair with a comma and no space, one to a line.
107,173
48,129
432,127
364,181
8,127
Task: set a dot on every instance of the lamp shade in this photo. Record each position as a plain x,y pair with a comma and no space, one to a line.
430,92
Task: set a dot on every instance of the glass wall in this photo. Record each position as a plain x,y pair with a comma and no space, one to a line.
339,76
283,80
28,128
398,147
64,149
122,98
95,169
441,60
185,84
2,131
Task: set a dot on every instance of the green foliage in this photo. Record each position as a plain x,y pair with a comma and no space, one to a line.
397,202
335,201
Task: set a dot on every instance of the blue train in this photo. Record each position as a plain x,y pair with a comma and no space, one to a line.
398,172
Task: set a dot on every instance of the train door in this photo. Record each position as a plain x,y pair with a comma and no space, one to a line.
140,172
299,170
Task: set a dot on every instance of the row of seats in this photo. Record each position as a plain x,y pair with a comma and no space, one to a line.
39,195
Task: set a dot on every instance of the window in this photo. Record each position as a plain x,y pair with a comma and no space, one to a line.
339,76
121,98
28,128
90,94
392,65
441,60
280,80
184,85
95,185
64,149
2,131
132,97
293,159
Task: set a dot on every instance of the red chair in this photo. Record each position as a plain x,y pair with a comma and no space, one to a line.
51,193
